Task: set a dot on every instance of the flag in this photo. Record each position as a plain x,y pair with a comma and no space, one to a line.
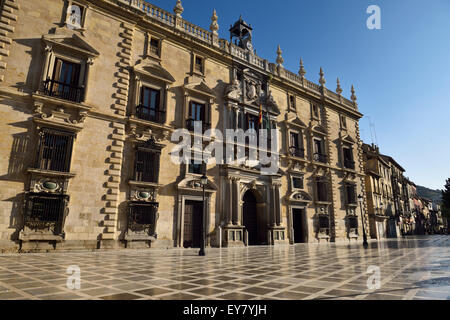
260,115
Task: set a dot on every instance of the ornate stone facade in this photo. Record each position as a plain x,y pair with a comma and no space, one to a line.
108,81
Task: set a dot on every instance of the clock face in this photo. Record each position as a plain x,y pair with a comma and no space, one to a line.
249,46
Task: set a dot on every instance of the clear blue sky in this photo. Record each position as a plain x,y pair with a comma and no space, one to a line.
401,73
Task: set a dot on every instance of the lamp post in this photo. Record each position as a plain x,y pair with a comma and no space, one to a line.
360,200
204,182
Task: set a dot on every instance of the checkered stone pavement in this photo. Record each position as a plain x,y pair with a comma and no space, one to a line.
411,268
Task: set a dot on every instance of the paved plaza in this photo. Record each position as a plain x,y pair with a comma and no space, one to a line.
411,268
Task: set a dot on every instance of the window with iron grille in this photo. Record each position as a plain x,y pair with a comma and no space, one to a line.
147,165
324,224
150,106
55,150
350,193
45,212
322,193
143,216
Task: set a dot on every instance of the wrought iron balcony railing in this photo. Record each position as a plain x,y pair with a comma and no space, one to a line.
145,113
319,157
349,164
63,91
190,125
297,152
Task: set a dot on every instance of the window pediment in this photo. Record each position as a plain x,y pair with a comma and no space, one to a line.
193,184
300,196
319,129
155,71
200,88
72,43
296,122
348,139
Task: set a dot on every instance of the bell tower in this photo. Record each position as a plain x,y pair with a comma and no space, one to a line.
241,33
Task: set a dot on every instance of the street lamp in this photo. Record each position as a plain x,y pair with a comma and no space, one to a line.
204,182
360,200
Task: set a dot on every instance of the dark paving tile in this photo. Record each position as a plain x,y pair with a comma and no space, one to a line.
237,296
342,293
42,291
10,295
258,290
179,296
291,295
306,289
121,296
154,292
181,286
206,291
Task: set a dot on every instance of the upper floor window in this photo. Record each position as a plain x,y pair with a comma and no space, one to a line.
315,112
150,106
198,113
322,192
350,193
343,122
65,81
195,168
55,150
292,103
155,46
297,182
295,145
147,165
319,150
199,64
349,163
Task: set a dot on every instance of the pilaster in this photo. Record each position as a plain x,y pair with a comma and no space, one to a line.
8,18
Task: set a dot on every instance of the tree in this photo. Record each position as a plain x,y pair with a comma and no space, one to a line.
446,200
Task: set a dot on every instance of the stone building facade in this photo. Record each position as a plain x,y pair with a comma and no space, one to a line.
92,93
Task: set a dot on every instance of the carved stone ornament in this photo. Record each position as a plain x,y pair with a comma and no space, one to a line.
252,93
143,194
47,185
59,115
234,90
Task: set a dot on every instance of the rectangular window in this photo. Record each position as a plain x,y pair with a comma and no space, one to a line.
55,150
315,111
197,112
292,101
350,193
198,64
149,107
154,46
297,182
324,224
45,212
143,215
348,158
319,151
353,222
296,149
65,81
147,165
322,194
343,122
195,168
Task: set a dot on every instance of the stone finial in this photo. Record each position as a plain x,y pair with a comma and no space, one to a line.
338,89
280,59
178,8
322,80
353,97
214,27
302,70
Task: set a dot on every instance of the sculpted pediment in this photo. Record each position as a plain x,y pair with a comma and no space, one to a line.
300,196
71,42
154,70
200,88
193,184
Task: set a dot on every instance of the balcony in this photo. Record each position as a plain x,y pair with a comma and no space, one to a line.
190,125
319,157
145,113
53,88
297,152
349,164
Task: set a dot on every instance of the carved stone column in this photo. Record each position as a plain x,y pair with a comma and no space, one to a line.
45,73
89,63
236,201
229,200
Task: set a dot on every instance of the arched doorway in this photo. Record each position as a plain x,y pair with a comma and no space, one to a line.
250,218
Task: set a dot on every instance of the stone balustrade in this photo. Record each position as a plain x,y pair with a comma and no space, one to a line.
197,32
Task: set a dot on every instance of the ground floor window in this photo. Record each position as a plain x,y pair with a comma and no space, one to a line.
143,216
45,212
